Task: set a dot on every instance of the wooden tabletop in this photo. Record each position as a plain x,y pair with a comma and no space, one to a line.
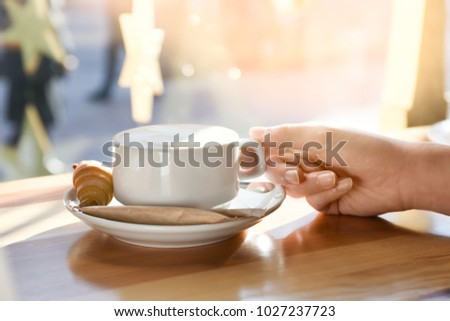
293,254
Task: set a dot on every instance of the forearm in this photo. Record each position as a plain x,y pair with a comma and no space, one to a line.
427,177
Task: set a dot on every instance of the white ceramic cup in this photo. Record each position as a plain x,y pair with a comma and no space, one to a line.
182,165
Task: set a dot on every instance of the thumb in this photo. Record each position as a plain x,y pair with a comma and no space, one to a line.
297,134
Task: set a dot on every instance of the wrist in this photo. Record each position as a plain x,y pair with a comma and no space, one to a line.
410,169
426,177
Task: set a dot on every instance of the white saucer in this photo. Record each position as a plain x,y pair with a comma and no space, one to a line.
440,132
250,198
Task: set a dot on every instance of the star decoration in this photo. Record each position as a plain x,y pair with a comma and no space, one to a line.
33,31
141,71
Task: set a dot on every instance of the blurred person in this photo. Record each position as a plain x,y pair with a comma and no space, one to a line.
5,22
24,89
114,9
342,171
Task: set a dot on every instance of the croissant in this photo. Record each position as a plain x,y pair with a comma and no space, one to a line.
93,183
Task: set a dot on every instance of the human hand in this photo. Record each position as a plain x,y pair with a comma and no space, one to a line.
338,171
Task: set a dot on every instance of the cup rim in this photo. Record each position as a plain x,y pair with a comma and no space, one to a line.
116,138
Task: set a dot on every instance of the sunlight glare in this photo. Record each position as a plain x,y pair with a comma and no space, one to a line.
283,5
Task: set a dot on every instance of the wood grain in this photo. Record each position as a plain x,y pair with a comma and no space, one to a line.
293,254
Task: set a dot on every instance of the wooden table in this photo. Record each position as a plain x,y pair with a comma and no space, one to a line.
295,253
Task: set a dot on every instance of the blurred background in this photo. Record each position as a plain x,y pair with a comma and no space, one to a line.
224,62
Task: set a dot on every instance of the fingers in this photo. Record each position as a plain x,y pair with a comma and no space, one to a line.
321,188
298,183
303,142
326,201
308,162
282,173
314,183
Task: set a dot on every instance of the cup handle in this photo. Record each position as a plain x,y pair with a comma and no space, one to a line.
250,167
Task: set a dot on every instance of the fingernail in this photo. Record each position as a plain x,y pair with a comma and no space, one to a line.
258,132
326,179
344,185
291,176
